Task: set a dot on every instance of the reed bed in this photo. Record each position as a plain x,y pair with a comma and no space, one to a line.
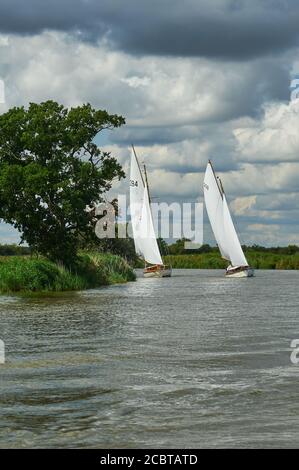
258,260
32,274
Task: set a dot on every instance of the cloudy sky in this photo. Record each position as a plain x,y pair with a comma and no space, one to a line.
195,79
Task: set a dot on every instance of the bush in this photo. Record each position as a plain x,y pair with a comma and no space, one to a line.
26,274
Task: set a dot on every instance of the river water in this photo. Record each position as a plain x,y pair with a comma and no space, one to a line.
196,360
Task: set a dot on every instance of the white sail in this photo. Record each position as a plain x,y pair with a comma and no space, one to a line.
141,217
236,255
136,200
214,206
147,237
221,221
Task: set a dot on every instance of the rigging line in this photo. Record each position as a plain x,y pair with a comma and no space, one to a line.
149,198
150,204
137,161
221,189
216,179
146,181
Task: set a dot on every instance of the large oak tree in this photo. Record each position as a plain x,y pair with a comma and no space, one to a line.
51,171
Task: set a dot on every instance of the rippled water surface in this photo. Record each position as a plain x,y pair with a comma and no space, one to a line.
192,361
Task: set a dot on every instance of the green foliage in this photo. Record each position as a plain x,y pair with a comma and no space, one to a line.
203,261
50,171
164,249
14,250
178,248
28,274
114,267
281,250
123,247
257,259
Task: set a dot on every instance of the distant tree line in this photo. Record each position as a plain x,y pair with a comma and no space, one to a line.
125,248
281,250
178,248
14,250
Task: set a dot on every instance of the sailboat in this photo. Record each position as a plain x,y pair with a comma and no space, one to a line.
223,227
145,239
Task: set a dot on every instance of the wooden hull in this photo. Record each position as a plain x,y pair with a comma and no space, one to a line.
240,271
157,271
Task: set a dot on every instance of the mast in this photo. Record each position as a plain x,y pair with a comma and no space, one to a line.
214,200
221,186
217,179
137,161
150,201
220,219
142,221
146,182
149,196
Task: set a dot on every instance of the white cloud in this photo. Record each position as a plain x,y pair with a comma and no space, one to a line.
4,41
241,205
274,138
262,227
136,82
150,91
181,112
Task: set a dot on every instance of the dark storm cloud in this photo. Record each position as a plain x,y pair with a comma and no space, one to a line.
227,29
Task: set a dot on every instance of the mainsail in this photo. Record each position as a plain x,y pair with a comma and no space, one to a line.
141,216
221,221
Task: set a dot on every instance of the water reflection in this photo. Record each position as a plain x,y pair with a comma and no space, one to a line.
194,360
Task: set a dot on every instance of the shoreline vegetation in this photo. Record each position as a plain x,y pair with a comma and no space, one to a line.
53,176
26,274
52,179
214,261
208,257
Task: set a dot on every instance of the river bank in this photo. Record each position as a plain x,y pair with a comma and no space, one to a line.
258,260
36,274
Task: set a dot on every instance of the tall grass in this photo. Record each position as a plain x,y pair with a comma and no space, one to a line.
112,268
258,260
28,274
196,261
